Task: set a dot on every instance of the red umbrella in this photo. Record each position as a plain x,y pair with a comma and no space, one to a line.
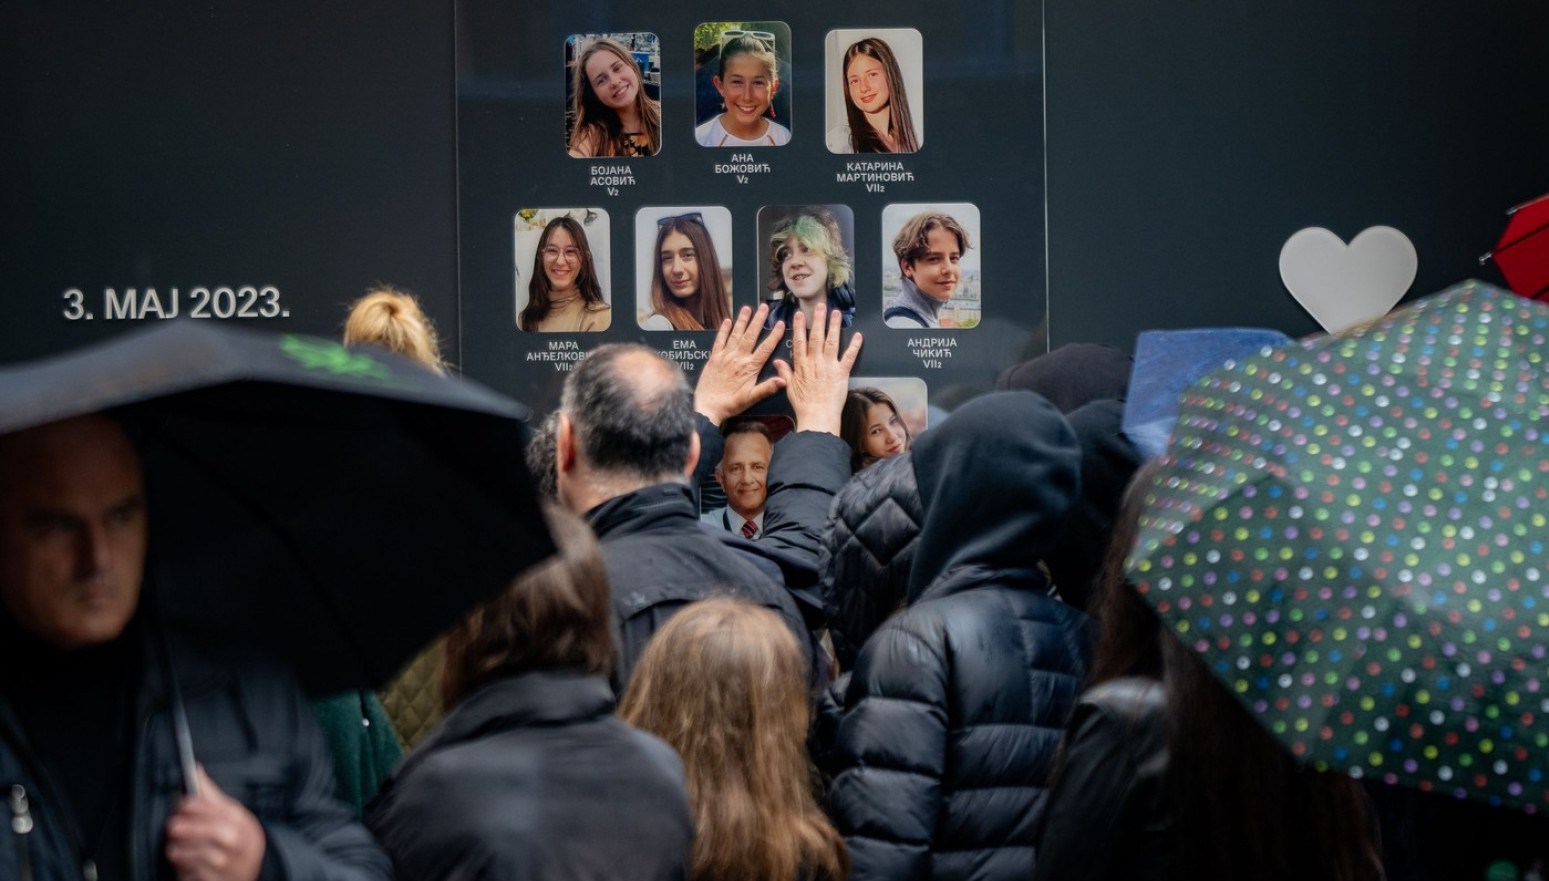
1523,251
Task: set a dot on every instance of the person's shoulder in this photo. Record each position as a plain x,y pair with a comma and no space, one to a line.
1129,698
839,139
779,134
705,133
585,142
714,517
653,754
902,321
655,321
599,316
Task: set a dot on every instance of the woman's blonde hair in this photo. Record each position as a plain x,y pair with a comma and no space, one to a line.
392,319
723,683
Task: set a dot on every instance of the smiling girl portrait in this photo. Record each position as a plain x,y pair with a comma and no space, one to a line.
613,83
746,75
875,91
683,267
561,270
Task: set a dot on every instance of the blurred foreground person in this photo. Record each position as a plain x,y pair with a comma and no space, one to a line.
531,776
723,683
86,745
956,703
1165,775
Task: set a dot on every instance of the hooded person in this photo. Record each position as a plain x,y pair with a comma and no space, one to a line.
1073,375
1108,461
956,704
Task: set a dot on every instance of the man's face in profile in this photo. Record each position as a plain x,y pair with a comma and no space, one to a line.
936,272
72,530
744,472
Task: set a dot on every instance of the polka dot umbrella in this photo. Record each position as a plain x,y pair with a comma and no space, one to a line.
1351,530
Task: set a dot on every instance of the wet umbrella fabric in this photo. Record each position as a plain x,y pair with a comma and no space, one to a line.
338,507
1351,530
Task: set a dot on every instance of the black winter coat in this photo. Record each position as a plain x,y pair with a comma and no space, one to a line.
956,705
659,560
258,740
1108,816
866,550
533,777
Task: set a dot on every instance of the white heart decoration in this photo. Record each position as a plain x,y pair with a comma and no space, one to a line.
1345,285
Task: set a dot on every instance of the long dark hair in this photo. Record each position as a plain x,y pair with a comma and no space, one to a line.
538,289
1241,806
707,307
852,422
864,139
596,123
1129,633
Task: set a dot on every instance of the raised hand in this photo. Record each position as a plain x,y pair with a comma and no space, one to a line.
728,383
818,379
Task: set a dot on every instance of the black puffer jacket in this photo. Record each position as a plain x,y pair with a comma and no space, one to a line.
533,777
866,550
956,704
868,544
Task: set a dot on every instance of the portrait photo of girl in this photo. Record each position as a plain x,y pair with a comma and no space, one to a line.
683,268
745,64
613,87
562,254
811,255
882,416
875,88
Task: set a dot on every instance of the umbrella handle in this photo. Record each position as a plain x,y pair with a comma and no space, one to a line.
181,737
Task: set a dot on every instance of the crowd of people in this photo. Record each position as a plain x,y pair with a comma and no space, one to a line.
883,657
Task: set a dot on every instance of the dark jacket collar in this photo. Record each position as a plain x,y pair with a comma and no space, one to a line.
543,697
665,507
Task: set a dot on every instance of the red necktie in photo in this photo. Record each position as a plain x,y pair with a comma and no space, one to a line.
749,529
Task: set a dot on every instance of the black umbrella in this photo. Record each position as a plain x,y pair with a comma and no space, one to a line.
338,507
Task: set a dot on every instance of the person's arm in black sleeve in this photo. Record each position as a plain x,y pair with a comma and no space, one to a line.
807,469
318,839
811,465
1102,796
712,446
891,749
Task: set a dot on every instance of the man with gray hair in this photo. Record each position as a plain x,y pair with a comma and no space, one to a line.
627,442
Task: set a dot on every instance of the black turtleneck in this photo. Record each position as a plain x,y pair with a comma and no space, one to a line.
77,711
